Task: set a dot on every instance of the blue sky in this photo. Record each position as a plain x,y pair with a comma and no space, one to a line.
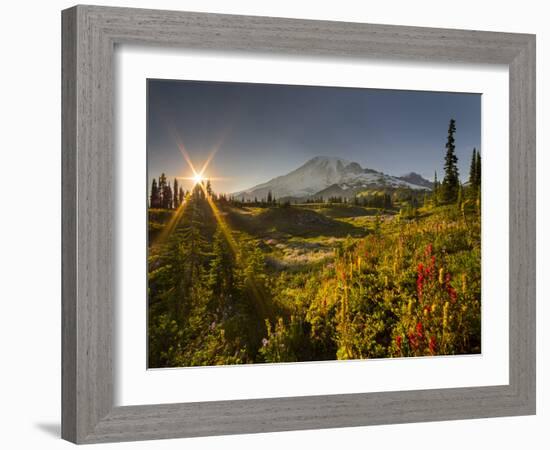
262,131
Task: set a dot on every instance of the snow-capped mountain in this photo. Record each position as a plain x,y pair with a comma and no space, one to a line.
327,176
415,178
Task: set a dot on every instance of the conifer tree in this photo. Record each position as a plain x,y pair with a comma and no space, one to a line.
473,169
162,188
269,197
167,197
181,195
176,197
208,188
449,186
478,170
221,274
154,201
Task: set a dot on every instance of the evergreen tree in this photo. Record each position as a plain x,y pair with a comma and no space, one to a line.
269,197
478,170
473,170
449,186
176,197
162,189
154,201
208,188
167,197
222,273
191,251
181,195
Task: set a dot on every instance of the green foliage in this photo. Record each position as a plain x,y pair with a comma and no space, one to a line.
406,288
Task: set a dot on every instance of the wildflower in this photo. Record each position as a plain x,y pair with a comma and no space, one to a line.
412,340
441,274
420,280
452,294
213,325
433,308
419,330
386,281
464,285
398,341
409,307
265,342
432,345
428,250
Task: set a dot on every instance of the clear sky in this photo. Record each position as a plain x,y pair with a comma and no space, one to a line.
261,131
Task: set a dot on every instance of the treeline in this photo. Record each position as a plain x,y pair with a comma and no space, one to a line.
164,195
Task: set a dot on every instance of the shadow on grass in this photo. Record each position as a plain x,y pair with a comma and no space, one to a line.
294,221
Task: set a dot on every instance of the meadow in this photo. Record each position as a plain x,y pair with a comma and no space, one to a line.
232,282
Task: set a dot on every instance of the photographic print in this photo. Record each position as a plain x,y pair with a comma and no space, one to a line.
304,223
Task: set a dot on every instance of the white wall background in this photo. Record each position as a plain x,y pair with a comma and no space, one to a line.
31,208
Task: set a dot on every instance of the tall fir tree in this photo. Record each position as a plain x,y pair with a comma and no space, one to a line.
473,169
167,197
478,170
450,184
181,195
221,276
175,200
208,188
162,191
154,200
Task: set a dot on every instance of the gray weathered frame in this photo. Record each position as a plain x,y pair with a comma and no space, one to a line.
89,36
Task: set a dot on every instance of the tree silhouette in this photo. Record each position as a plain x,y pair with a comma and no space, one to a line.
154,201
449,186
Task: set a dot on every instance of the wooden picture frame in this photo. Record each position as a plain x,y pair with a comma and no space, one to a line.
90,34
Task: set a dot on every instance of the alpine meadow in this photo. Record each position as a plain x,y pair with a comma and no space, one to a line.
305,223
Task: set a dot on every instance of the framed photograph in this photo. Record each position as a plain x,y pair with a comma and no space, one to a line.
277,224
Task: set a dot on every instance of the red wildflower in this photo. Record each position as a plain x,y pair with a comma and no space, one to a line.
419,331
429,249
432,345
452,294
420,280
412,340
431,269
398,341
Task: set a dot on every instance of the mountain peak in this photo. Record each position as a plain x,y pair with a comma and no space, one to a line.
327,161
321,172
416,178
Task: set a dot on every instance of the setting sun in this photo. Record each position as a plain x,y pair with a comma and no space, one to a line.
198,178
